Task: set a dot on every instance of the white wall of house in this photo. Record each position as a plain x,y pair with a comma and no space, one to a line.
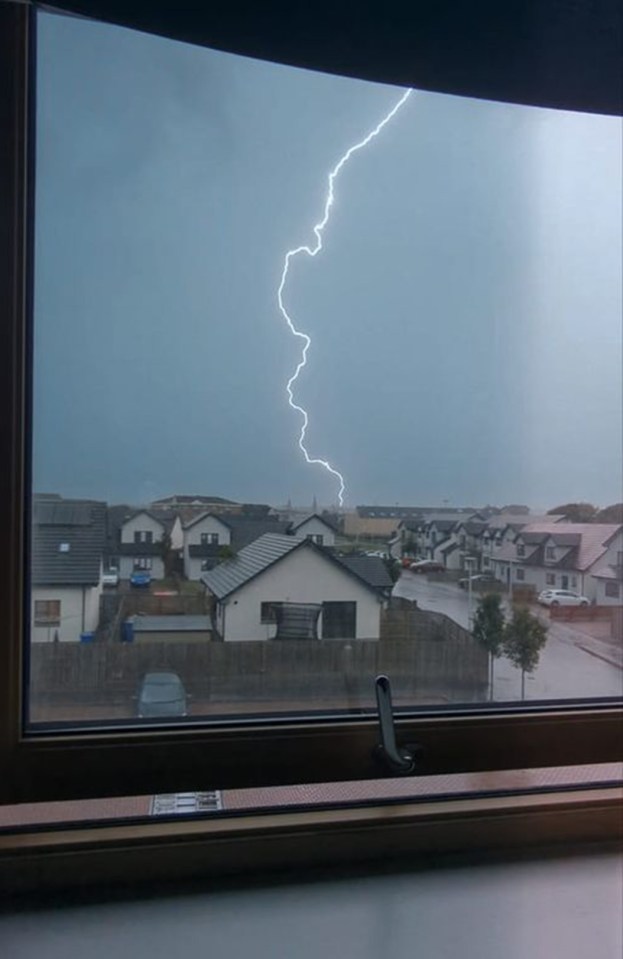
314,526
614,554
141,523
208,526
608,592
79,612
543,578
177,534
127,565
303,576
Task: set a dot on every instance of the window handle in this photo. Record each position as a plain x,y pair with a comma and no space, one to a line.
400,760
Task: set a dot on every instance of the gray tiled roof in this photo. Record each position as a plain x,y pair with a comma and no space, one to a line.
371,569
269,549
67,542
250,561
322,519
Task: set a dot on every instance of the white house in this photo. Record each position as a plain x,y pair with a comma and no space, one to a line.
206,535
140,539
67,546
572,556
284,586
316,528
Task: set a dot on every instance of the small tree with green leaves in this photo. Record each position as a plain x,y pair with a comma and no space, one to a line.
524,638
488,629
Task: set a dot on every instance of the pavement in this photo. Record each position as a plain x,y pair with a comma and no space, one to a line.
573,664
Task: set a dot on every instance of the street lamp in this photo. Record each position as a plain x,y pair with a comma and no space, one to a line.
469,565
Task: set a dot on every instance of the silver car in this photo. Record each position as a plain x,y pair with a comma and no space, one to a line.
162,694
562,597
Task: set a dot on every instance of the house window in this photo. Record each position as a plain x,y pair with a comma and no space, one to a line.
339,620
317,538
268,613
613,589
214,539
520,574
148,536
550,552
485,561
205,565
142,562
574,582
47,612
550,579
137,536
620,557
209,539
521,551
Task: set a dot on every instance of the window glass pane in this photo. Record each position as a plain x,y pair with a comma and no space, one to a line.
239,359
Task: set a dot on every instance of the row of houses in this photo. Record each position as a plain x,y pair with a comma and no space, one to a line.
264,575
525,550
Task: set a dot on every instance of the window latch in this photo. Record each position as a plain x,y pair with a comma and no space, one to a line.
400,760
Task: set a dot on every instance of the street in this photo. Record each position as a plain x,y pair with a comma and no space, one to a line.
565,669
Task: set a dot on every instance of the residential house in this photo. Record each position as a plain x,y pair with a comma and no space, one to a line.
140,544
574,556
286,586
317,528
66,569
208,504
207,534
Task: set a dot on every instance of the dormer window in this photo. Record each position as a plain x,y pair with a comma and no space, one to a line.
550,552
521,551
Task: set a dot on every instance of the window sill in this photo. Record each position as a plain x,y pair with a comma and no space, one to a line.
51,859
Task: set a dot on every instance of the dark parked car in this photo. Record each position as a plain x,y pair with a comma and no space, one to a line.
161,694
478,579
427,566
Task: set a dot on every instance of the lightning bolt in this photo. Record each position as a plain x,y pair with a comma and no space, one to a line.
313,251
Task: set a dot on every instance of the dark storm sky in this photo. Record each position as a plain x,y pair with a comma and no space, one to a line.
465,312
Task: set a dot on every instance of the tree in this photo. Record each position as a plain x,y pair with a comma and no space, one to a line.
610,514
575,512
524,638
488,629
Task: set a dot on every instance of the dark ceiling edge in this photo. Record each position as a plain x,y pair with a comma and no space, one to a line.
563,54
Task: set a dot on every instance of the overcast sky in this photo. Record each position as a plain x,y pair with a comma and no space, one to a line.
465,312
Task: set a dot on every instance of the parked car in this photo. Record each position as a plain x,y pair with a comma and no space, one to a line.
478,579
161,694
141,578
427,566
110,577
562,597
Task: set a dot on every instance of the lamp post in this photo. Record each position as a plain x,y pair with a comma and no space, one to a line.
469,565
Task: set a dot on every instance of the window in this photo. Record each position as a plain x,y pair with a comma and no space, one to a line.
612,589
148,536
210,539
550,552
137,536
574,582
339,620
142,562
167,752
205,565
317,538
47,612
520,574
486,561
550,579
620,558
521,551
268,613
214,539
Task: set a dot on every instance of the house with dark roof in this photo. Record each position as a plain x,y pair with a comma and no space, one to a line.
140,545
205,536
68,540
287,587
317,528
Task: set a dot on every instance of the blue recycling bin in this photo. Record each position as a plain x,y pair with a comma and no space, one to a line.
87,637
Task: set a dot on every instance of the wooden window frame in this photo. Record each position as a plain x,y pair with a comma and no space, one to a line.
47,621
62,764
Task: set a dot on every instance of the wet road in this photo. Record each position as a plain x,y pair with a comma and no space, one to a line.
565,670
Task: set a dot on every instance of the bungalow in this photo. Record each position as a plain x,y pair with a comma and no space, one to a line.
289,587
67,546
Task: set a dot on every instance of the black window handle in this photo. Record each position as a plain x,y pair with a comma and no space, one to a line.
400,760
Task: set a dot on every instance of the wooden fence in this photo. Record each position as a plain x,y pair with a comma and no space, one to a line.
432,668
